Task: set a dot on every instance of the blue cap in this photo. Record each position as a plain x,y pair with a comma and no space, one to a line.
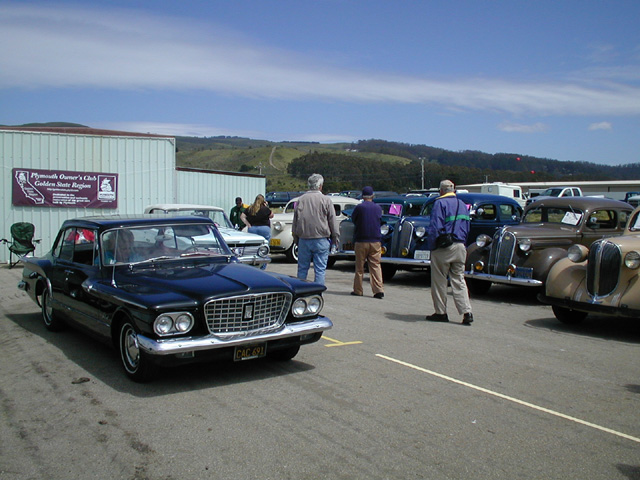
367,192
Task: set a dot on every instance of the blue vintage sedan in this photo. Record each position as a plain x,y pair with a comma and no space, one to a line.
404,240
168,291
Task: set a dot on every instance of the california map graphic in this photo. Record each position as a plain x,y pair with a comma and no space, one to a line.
28,189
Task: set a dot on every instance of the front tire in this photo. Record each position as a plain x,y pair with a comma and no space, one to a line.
388,271
135,362
568,316
292,253
478,287
52,321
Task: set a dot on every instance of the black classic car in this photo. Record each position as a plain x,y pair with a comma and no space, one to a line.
404,241
167,291
524,254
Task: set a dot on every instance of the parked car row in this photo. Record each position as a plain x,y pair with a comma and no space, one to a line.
582,253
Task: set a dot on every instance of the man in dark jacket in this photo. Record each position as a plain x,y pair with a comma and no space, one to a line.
366,218
449,216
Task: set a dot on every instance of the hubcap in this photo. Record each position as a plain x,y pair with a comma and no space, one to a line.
130,349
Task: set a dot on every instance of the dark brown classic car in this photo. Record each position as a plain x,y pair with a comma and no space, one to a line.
523,254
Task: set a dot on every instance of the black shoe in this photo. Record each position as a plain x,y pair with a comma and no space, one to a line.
379,295
438,317
356,294
467,318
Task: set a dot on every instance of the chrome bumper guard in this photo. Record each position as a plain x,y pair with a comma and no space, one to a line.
254,260
524,282
211,342
405,261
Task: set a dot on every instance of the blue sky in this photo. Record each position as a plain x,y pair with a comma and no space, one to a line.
553,79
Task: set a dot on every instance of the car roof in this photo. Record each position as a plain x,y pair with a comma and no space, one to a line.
104,222
402,199
583,203
181,206
482,197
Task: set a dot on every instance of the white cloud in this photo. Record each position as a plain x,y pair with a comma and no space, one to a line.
601,126
521,128
61,47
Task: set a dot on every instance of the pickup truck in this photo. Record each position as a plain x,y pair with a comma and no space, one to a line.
557,192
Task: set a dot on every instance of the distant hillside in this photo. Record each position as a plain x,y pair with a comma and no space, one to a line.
381,164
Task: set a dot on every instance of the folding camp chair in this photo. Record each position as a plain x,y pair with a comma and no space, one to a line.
22,242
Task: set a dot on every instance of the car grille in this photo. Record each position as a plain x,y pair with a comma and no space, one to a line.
502,248
247,313
603,268
403,240
245,249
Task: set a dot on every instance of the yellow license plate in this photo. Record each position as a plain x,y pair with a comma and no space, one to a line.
249,352
274,242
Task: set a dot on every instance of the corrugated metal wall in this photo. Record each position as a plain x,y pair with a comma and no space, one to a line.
146,175
218,189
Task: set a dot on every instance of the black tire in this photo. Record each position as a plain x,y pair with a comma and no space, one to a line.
135,362
388,271
568,316
331,262
284,354
478,287
52,321
292,253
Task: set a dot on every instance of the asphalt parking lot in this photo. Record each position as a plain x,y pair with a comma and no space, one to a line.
383,395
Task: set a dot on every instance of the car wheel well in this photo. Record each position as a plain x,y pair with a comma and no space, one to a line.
118,319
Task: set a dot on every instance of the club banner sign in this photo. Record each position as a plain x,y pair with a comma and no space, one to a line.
57,188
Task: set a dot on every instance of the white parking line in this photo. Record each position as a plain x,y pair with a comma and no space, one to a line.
512,399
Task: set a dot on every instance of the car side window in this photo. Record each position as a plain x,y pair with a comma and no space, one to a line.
509,212
603,219
486,211
337,209
66,244
84,250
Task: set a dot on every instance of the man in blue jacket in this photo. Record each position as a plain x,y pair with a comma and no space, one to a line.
367,217
449,216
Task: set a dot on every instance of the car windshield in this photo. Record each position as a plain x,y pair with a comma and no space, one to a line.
219,217
291,206
551,192
157,243
563,215
634,224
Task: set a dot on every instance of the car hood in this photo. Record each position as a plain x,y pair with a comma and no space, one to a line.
200,281
543,230
231,235
282,217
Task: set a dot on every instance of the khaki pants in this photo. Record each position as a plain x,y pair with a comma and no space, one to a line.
449,262
369,251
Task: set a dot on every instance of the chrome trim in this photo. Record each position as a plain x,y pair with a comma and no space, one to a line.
212,342
405,261
524,282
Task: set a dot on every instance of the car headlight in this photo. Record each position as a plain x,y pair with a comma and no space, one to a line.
163,324
483,240
184,322
577,253
524,244
632,260
305,306
384,229
263,251
171,323
420,231
277,226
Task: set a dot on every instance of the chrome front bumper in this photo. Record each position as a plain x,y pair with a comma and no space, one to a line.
524,282
211,342
393,260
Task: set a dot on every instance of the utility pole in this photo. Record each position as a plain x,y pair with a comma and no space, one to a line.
422,170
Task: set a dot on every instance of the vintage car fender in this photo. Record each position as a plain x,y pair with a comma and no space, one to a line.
565,278
543,260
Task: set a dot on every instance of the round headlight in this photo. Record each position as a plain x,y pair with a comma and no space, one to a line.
263,251
483,240
299,307
278,226
577,253
384,229
184,322
420,231
163,324
524,244
632,260
314,305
